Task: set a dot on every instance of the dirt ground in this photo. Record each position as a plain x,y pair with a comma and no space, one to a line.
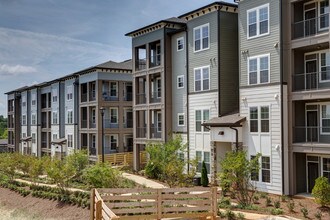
14,206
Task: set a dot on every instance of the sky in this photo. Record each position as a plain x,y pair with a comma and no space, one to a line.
41,40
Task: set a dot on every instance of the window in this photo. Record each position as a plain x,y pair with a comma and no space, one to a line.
180,43
199,161
23,135
265,169
258,69
33,138
202,79
254,173
264,110
93,116
180,81
159,121
113,142
113,89
258,21
54,137
324,14
326,168
113,115
181,119
33,99
70,140
325,119
200,117
55,121
24,101
207,161
23,119
254,119
54,95
33,119
199,158
159,87
201,38
325,67
93,141
70,117
69,93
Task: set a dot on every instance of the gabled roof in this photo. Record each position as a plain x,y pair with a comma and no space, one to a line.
126,65
232,120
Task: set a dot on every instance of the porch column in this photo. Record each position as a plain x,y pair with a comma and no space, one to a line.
213,168
136,157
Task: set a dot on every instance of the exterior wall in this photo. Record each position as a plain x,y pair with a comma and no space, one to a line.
35,128
55,128
25,111
70,105
268,144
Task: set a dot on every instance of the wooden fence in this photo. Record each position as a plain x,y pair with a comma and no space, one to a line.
124,159
148,203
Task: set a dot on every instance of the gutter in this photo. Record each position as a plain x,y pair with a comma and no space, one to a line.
236,131
219,81
187,99
281,85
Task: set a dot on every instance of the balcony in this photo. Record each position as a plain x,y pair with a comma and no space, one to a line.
110,96
155,97
141,98
311,135
128,123
155,132
44,144
140,64
92,151
141,132
128,96
311,81
155,60
109,124
92,95
310,27
84,97
83,123
92,124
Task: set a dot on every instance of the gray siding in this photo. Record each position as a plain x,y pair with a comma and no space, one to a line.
179,96
148,38
260,45
228,57
206,57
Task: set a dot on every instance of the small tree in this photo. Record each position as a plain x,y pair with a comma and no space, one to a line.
79,161
102,175
236,172
61,173
8,165
204,179
321,191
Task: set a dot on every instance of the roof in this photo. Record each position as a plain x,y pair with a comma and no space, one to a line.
126,65
59,141
221,3
3,141
232,120
26,139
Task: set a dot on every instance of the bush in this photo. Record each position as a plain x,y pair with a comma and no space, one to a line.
276,211
79,161
230,215
240,216
268,201
321,191
277,204
318,215
304,211
204,179
224,203
291,206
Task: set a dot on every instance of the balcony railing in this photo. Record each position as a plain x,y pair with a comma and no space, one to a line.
92,151
128,123
44,124
155,132
92,124
311,81
311,134
141,132
109,150
310,27
140,64
44,144
155,97
155,60
92,96
141,98
128,96
110,96
109,124
83,123
84,97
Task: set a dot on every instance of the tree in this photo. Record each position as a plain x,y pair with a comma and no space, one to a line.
60,172
79,161
321,191
235,175
204,179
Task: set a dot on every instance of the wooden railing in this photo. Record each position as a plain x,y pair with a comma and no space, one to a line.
123,159
154,203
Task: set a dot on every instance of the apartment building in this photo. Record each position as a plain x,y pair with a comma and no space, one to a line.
51,118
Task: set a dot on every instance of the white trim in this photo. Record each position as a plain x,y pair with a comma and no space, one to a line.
177,81
201,69
257,9
177,44
114,108
68,139
321,118
259,119
201,39
202,120
159,113
184,120
258,68
67,114
116,83
319,17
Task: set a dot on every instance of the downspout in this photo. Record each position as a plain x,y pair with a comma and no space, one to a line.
281,85
236,131
219,47
187,99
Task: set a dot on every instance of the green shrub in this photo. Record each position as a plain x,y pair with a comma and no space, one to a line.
230,215
321,191
204,179
284,198
221,214
276,211
224,203
304,211
263,195
256,199
240,216
291,205
318,215
268,201
277,204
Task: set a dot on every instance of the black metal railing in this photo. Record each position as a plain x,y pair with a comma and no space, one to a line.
84,123
141,132
84,97
141,98
128,123
92,96
311,134
155,132
155,97
110,96
92,151
140,64
128,96
110,124
92,124
310,27
155,60
310,81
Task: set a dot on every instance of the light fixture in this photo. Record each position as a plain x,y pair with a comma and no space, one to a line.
276,96
244,99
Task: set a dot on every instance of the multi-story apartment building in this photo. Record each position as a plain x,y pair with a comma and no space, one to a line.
53,118
181,66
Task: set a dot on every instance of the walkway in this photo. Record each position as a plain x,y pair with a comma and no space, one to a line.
144,181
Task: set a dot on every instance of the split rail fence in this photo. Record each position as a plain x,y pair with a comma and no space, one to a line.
145,203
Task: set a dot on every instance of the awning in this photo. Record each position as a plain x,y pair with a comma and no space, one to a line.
233,120
26,139
59,141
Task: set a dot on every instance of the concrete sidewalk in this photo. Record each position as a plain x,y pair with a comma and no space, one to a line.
144,181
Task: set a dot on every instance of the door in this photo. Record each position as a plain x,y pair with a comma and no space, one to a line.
129,92
312,175
311,74
310,19
312,126
129,119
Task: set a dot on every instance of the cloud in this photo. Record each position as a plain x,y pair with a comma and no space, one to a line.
6,70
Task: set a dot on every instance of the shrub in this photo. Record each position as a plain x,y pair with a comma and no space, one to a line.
321,191
221,214
230,215
276,211
291,205
277,204
263,195
268,201
204,179
304,211
60,172
79,161
284,198
318,215
224,203
256,199
240,216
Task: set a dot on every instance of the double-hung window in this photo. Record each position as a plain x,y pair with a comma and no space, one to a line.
23,101
201,38
55,121
23,119
325,119
326,167
258,68
264,119
265,169
33,138
202,78
258,21
324,14
69,93
69,117
200,117
33,119
180,43
254,119
254,172
180,81
114,115
113,142
33,99
325,67
54,95
113,89
70,140
181,119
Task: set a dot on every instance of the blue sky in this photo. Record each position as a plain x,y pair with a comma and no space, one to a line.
44,39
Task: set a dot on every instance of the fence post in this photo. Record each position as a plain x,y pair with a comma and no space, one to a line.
92,204
214,203
159,204
125,159
99,210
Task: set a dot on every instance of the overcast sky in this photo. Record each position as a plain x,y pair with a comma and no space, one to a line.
41,40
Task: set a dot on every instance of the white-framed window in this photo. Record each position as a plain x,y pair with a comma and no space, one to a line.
201,38
200,117
159,121
325,119
23,135
324,14
203,156
24,101
93,115
33,119
33,138
54,95
33,99
180,82
326,167
254,119
202,78
54,137
70,140
325,66
114,115
55,118
113,89
259,118
69,117
113,142
180,44
265,169
254,173
159,87
258,68
199,159
93,141
23,119
69,93
264,119
181,121
258,21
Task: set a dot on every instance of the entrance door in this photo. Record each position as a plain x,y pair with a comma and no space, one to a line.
313,174
312,126
311,74
310,19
